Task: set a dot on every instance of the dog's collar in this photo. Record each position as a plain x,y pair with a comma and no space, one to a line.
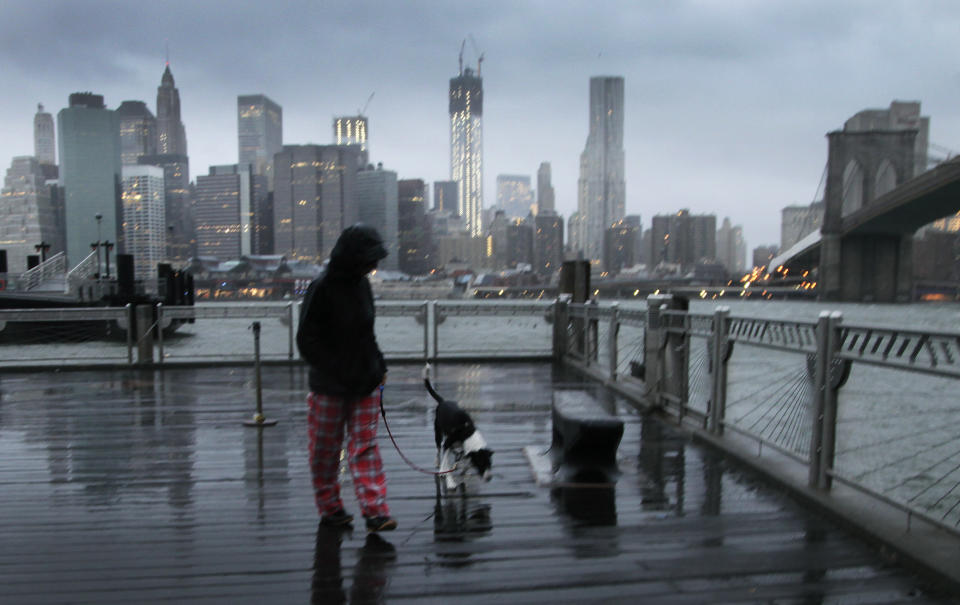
474,442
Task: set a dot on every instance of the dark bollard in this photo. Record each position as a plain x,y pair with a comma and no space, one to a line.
258,418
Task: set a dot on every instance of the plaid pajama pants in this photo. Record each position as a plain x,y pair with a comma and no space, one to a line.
326,419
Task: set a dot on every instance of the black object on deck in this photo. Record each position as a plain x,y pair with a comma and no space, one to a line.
585,439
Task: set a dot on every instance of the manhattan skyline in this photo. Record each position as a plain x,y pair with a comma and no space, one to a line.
726,104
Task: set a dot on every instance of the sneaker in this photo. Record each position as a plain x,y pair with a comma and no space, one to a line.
339,518
381,524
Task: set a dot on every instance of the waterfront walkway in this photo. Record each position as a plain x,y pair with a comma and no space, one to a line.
139,487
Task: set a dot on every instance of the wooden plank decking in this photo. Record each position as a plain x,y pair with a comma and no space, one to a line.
128,487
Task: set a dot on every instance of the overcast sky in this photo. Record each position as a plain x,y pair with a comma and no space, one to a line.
727,102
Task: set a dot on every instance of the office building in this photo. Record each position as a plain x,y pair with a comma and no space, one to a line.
377,206
352,130
514,195
683,239
171,135
445,197
797,221
178,205
314,199
601,197
762,255
44,137
416,254
519,243
138,132
144,220
620,246
260,134
731,248
466,146
88,136
27,216
547,242
546,201
224,212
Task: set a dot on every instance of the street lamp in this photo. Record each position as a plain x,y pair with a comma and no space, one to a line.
99,218
42,248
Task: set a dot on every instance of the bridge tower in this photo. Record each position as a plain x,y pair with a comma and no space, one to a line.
874,267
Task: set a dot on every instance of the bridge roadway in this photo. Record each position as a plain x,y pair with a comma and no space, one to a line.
130,487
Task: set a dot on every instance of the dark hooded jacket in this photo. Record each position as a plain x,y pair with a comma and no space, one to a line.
336,320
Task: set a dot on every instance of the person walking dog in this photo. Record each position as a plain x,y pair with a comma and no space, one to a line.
337,340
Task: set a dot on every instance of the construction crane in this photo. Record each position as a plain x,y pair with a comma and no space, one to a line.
462,44
360,112
473,43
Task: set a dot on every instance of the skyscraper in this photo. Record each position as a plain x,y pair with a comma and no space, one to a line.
27,216
313,199
44,141
223,210
683,239
731,249
171,136
260,133
547,243
377,206
352,130
514,195
144,223
545,194
138,132
181,238
89,141
445,196
601,196
415,255
466,146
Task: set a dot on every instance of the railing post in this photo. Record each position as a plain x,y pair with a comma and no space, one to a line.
290,334
592,340
561,322
258,420
653,353
131,322
144,315
831,385
160,331
718,368
819,382
612,334
430,319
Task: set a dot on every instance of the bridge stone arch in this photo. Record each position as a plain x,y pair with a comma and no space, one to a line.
886,178
851,199
862,166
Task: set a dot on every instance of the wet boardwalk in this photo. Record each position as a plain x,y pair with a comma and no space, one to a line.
122,487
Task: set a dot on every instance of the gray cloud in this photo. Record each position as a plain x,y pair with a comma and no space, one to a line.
727,102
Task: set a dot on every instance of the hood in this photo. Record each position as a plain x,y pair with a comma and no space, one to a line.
357,248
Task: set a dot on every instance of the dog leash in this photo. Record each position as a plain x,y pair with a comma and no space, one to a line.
397,447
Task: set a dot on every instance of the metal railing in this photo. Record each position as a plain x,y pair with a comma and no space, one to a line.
873,408
221,333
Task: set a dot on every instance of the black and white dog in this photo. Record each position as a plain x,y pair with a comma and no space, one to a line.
457,440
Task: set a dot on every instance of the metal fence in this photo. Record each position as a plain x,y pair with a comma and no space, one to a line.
871,407
222,333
